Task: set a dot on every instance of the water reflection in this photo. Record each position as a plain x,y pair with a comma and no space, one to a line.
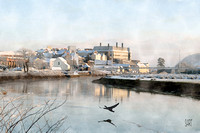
66,87
138,112
110,92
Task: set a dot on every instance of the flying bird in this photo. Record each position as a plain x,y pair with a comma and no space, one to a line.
109,121
111,107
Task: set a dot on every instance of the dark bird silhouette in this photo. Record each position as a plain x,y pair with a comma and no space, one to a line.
111,107
109,121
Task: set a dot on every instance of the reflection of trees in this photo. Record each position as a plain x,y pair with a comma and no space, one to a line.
25,87
73,87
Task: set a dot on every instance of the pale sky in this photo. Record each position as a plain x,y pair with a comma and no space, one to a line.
151,28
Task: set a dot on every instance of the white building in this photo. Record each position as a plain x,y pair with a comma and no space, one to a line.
143,67
98,56
84,53
59,64
114,52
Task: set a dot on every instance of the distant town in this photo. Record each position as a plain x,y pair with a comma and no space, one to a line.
103,58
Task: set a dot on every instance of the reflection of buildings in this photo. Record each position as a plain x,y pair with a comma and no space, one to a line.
115,93
120,93
74,88
101,91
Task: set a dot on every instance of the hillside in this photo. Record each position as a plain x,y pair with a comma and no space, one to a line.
191,61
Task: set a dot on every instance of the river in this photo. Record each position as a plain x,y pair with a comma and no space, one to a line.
136,112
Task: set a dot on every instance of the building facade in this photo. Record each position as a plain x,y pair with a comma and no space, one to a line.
114,52
60,64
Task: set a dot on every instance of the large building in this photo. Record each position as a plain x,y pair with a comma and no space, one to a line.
114,52
11,59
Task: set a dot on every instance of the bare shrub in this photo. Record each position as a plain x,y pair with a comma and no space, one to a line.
15,116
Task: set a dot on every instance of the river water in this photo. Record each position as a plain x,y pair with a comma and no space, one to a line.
136,112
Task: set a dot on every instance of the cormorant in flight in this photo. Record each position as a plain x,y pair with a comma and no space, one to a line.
109,121
111,107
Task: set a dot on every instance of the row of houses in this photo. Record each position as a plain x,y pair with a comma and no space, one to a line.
71,58
114,57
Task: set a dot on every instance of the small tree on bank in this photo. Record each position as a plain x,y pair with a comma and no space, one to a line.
161,62
28,56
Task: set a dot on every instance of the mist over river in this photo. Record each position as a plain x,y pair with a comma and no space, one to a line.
136,112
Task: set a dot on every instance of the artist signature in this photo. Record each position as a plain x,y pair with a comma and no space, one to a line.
188,122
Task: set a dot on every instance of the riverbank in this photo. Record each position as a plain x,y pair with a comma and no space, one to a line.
189,88
6,76
45,74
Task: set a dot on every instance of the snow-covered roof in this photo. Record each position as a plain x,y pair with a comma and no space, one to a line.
65,54
86,65
40,51
47,55
85,51
9,53
139,64
123,65
62,51
63,60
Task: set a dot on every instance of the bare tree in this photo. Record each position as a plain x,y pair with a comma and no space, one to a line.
28,56
40,64
14,117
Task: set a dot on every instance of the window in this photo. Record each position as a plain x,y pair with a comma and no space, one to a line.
58,63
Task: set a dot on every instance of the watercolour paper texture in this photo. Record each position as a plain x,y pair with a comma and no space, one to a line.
100,66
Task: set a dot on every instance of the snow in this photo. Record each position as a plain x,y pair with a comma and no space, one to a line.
103,62
159,77
63,60
191,61
62,51
122,65
40,51
32,71
48,55
9,53
56,68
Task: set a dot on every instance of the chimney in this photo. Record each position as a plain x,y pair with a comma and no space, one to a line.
108,44
122,45
116,44
100,44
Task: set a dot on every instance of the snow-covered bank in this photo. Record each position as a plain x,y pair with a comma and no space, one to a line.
144,83
14,75
161,77
45,74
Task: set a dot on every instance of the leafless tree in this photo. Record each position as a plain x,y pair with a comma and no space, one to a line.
28,56
14,117
40,64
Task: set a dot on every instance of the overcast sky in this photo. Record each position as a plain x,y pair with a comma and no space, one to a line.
151,28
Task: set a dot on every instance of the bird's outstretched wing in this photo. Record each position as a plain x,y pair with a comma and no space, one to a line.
114,105
108,121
